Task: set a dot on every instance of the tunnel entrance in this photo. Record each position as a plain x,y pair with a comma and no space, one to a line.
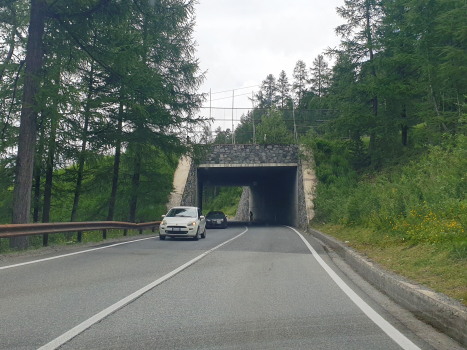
273,196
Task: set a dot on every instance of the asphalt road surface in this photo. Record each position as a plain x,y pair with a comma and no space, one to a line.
263,288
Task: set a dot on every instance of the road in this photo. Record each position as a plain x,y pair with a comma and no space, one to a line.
263,289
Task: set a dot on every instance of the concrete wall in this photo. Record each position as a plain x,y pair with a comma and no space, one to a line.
180,180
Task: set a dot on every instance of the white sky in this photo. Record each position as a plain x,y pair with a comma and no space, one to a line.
240,42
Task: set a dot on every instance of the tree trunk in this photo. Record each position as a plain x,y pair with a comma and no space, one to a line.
113,195
373,72
79,180
27,133
404,127
82,154
37,177
51,149
49,171
135,184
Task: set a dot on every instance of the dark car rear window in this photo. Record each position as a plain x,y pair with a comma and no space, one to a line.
215,215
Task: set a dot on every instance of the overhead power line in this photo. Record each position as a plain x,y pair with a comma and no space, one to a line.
267,109
220,92
223,98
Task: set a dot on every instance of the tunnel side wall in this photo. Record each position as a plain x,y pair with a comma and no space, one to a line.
243,210
190,193
302,217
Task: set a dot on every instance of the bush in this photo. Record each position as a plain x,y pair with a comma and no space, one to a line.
423,201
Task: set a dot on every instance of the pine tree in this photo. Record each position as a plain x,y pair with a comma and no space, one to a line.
359,40
283,89
300,79
320,75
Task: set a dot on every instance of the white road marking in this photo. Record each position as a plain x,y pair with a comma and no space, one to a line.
392,332
75,253
57,342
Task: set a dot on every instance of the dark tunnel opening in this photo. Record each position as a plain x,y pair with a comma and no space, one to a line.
273,190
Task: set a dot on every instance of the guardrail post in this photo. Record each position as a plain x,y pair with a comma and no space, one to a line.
125,231
153,228
104,234
140,231
80,236
45,240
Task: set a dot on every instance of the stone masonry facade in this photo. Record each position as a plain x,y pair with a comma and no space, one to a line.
249,155
252,154
189,194
243,209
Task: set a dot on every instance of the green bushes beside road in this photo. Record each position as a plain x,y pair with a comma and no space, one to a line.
421,201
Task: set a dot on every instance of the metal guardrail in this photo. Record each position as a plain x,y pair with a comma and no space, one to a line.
17,230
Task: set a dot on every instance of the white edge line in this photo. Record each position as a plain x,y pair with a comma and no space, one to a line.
57,342
75,253
389,329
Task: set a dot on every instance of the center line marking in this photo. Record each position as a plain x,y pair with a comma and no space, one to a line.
57,342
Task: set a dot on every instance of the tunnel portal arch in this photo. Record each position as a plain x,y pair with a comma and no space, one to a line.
272,173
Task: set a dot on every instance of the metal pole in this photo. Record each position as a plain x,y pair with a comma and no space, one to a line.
253,116
209,103
294,125
233,99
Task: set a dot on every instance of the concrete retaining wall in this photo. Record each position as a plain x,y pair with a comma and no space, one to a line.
442,312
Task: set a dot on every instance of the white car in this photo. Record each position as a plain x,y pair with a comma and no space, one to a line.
183,222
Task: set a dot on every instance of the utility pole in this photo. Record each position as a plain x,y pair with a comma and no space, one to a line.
294,125
210,104
253,116
233,99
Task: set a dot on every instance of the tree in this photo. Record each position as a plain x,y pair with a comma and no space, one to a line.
223,137
27,133
269,89
320,75
300,76
135,81
359,39
283,89
267,95
272,129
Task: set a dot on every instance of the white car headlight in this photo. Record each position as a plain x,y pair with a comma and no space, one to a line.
192,223
164,223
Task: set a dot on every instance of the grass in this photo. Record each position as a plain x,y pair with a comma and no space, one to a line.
431,265
35,242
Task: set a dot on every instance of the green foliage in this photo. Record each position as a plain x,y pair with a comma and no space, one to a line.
155,186
224,199
273,129
422,201
113,82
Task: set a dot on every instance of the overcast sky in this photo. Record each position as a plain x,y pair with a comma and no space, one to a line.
240,42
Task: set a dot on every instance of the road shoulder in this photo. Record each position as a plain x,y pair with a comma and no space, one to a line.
429,334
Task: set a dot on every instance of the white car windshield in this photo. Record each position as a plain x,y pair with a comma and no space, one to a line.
182,213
